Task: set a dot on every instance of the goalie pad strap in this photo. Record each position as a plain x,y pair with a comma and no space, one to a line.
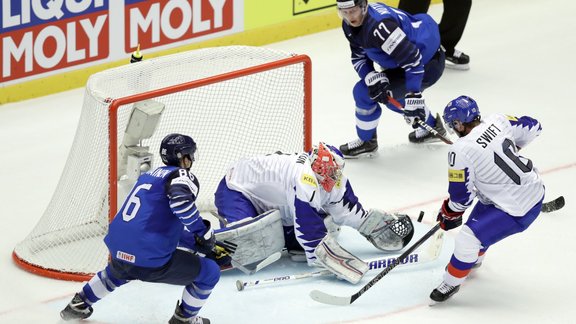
387,232
330,255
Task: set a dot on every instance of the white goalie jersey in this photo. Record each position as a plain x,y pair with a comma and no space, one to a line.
486,164
286,182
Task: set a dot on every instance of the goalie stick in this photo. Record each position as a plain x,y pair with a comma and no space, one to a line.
261,265
325,298
431,253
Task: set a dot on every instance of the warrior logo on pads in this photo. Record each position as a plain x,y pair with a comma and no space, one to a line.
308,179
455,175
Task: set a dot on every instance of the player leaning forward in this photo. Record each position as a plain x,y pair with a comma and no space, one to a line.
160,214
309,191
395,55
484,163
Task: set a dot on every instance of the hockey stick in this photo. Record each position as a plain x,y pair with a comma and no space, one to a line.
325,298
422,124
553,205
431,253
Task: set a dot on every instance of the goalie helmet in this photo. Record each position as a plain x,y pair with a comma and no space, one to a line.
327,163
176,146
463,109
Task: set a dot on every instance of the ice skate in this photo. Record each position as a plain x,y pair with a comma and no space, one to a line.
458,61
359,148
77,308
180,318
420,135
442,293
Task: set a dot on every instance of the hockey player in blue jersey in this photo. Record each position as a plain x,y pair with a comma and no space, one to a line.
407,50
484,164
159,215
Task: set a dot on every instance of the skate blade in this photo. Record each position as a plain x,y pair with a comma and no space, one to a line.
433,303
460,67
367,155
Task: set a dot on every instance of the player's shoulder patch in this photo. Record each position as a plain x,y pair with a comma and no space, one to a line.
456,175
309,180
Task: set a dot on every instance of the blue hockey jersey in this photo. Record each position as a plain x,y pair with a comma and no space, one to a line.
393,39
158,215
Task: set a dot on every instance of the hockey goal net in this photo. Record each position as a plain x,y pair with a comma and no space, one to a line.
234,101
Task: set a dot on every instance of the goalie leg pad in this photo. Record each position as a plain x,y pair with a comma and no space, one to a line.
387,232
330,255
256,238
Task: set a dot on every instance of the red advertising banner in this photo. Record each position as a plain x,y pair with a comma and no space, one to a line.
154,23
38,37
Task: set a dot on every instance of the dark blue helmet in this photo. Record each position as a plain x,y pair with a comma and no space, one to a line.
463,108
175,146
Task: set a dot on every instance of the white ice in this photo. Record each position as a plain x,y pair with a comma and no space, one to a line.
522,64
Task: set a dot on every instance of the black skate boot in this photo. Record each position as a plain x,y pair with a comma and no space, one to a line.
77,308
458,61
180,318
358,148
420,135
443,292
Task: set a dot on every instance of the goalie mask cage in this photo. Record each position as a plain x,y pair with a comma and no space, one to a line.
234,101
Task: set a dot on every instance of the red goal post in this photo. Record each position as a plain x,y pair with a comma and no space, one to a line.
235,101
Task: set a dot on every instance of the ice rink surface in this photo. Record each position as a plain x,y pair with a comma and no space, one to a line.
521,64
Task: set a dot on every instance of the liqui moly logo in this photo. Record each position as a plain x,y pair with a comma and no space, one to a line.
38,36
152,23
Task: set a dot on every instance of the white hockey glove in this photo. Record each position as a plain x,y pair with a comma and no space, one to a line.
415,108
330,255
387,232
378,85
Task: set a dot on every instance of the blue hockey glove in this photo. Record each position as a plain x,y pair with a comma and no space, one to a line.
414,108
378,85
449,219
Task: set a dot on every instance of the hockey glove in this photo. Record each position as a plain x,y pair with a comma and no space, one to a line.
414,108
378,85
207,246
449,219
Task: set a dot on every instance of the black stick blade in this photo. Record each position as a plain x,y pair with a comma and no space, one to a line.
553,205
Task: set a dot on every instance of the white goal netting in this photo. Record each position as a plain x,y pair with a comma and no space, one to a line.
234,101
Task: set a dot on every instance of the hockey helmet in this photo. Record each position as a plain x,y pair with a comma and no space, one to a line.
327,163
176,146
346,4
463,109
352,11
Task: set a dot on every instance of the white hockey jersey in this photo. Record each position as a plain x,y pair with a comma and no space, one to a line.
485,164
286,182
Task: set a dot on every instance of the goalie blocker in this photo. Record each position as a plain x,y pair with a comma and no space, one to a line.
255,239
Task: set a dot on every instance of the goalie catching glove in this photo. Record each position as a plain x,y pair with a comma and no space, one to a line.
387,232
207,246
449,219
